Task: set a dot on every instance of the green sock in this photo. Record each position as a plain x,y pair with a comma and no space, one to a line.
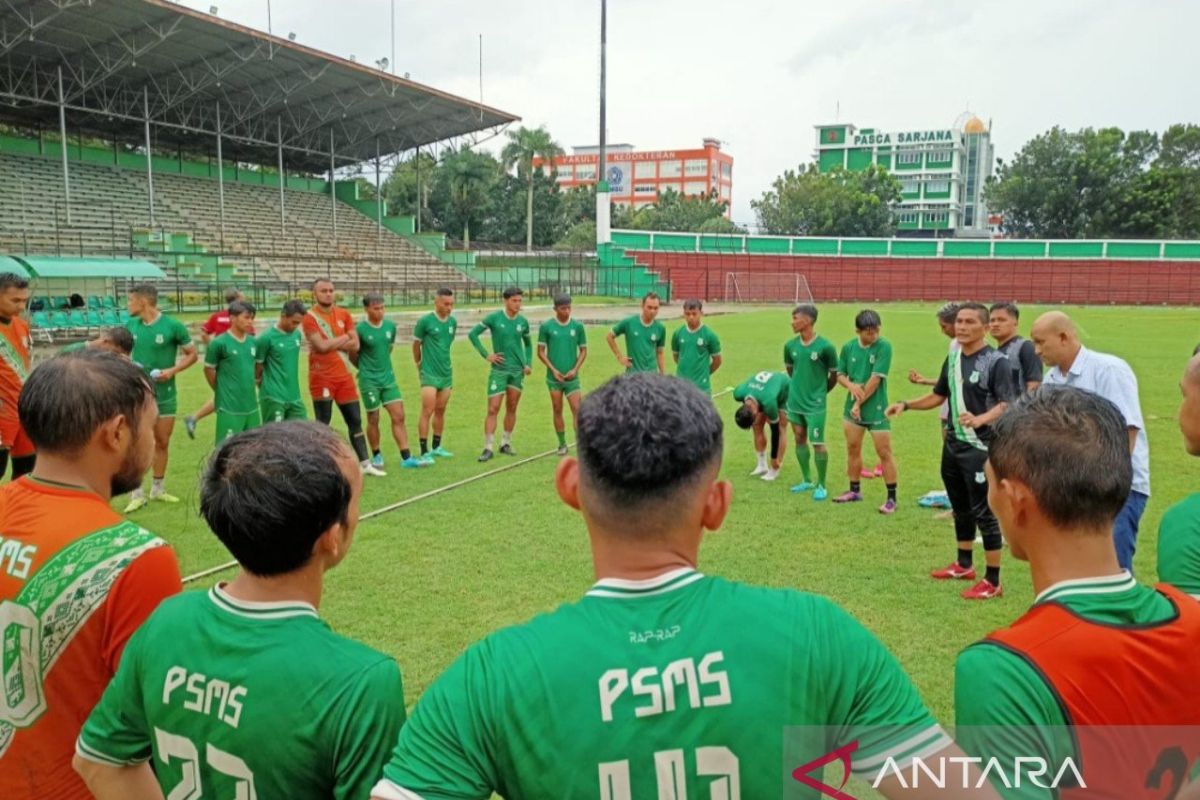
562,438
822,459
802,457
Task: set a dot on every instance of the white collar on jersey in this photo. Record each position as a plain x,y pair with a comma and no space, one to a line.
255,610
1103,584
621,589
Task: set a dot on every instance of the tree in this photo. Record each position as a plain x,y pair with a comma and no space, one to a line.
509,217
676,212
407,189
807,202
462,189
524,145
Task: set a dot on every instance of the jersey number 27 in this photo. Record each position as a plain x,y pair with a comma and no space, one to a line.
718,763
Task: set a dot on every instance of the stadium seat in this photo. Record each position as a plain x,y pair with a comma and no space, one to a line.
122,315
93,318
59,321
93,301
109,316
109,302
59,301
78,318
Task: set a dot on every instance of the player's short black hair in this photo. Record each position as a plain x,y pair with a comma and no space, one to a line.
562,300
236,309
650,296
807,309
948,313
445,291
318,281
693,305
1071,448
978,308
744,417
11,280
269,493
293,307
120,336
146,291
644,437
512,292
1008,308
68,397
232,294
371,298
867,318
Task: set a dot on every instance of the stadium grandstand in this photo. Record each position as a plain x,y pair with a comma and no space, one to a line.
142,130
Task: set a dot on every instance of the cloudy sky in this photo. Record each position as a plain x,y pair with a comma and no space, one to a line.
758,74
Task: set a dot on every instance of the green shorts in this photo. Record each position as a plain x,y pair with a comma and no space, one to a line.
566,387
166,398
278,411
375,396
232,424
500,382
439,382
813,423
873,424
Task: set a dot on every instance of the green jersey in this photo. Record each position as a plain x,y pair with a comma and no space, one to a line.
279,353
769,389
642,342
73,348
809,365
234,360
859,364
375,353
562,343
1179,545
156,345
436,335
239,699
695,350
681,680
510,338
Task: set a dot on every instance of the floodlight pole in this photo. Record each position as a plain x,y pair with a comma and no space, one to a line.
332,189
220,177
418,188
282,177
149,156
393,62
62,131
378,196
603,208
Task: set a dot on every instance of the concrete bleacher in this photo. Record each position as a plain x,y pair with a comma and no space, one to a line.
109,204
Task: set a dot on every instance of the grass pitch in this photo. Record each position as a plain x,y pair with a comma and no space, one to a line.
424,581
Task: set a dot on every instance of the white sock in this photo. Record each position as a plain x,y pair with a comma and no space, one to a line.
365,464
156,488
506,437
488,441
762,458
137,494
771,474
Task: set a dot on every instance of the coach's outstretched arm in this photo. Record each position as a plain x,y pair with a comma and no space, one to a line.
931,400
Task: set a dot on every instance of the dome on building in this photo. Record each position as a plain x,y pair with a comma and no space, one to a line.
974,125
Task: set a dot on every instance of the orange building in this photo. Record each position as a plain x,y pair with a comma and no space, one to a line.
636,178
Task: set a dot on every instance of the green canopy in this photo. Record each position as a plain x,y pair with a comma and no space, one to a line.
53,267
8,264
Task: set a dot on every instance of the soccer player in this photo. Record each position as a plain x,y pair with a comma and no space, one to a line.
331,338
217,323
979,383
117,340
659,676
762,397
1003,322
432,338
15,344
163,347
277,370
1100,670
863,368
812,364
230,367
1071,364
562,347
696,348
76,580
377,380
511,359
243,691
644,338
1179,531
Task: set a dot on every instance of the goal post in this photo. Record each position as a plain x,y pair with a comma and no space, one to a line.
767,287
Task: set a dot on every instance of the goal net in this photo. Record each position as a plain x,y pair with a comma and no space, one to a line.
767,287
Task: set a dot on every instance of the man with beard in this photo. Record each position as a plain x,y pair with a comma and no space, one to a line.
76,579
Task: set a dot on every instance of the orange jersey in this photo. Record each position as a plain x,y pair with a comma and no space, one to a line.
14,363
76,580
332,365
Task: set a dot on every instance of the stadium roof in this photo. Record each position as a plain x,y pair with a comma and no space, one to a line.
122,57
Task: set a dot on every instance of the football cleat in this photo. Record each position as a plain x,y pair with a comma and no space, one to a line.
759,470
426,460
486,455
377,461
411,463
189,424
770,475
803,486
562,450
954,572
441,452
848,497
984,590
135,503
507,450
820,493
888,508
374,472
163,497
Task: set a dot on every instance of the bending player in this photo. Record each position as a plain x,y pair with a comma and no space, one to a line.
1179,531
377,380
644,338
811,362
230,368
863,370
331,338
216,324
15,344
163,347
432,338
511,357
696,348
761,397
278,369
562,347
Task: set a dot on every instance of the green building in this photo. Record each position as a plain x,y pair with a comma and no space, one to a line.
941,171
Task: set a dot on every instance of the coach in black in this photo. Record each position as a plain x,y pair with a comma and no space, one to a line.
979,383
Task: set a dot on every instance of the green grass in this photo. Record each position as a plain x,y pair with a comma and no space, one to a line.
426,580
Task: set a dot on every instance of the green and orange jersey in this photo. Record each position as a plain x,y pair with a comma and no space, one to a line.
334,364
15,345
76,581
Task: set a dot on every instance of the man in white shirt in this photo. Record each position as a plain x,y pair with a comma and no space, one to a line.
1072,364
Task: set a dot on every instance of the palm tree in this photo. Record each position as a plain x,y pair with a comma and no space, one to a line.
524,145
469,175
